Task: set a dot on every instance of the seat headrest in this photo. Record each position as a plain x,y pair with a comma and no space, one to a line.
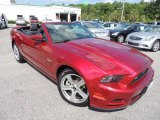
33,27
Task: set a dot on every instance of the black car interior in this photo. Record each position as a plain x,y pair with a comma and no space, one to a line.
33,29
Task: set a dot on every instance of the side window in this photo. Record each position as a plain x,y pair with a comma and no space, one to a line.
106,25
136,28
112,25
141,28
158,23
115,25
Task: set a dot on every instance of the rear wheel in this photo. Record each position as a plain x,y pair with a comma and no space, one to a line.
1,26
17,54
6,26
73,88
120,38
156,46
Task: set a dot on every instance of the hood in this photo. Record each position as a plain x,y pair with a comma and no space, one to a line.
144,34
96,30
107,55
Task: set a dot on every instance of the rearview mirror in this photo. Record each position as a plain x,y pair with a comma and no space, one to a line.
38,38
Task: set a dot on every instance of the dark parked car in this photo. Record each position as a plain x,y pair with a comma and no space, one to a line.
120,33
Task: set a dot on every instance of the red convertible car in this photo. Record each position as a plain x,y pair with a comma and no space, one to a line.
88,71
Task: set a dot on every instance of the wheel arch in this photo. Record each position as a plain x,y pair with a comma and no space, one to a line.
62,67
78,71
158,40
13,42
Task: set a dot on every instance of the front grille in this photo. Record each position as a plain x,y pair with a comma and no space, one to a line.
135,38
140,76
135,44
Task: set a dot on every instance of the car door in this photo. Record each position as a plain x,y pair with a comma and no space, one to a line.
33,50
131,30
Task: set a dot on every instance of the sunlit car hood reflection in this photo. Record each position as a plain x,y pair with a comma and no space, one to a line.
108,55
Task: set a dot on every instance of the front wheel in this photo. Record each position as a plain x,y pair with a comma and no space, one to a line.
120,38
17,54
155,46
72,88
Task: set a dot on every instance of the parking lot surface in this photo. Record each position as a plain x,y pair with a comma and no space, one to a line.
25,94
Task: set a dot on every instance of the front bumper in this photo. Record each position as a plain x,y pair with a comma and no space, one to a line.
140,44
107,97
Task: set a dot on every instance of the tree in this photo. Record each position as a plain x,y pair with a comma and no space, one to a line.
111,12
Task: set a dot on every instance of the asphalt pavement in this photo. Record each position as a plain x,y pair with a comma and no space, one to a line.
25,94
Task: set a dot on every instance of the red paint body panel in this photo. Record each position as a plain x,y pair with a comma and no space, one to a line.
34,21
93,59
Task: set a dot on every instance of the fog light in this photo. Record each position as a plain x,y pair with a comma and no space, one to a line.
145,45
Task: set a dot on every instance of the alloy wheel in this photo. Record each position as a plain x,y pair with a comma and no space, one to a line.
73,88
156,46
16,52
120,39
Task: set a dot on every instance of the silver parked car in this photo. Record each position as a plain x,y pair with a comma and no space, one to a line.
21,21
148,39
3,21
97,29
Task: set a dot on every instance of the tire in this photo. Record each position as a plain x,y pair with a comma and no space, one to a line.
72,88
6,26
120,38
155,46
18,56
1,26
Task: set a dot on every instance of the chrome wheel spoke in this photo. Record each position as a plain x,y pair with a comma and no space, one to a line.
80,83
67,88
69,78
16,52
82,94
156,46
73,95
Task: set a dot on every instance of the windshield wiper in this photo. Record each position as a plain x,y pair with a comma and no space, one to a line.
63,41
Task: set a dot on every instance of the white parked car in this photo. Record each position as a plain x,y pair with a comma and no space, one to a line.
21,21
3,21
148,39
110,25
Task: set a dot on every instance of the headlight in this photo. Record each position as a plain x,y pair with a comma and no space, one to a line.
115,34
149,38
109,79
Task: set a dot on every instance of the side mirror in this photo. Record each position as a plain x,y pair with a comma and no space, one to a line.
38,38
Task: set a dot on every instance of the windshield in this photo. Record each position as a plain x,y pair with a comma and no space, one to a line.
122,27
34,18
93,25
66,32
153,29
